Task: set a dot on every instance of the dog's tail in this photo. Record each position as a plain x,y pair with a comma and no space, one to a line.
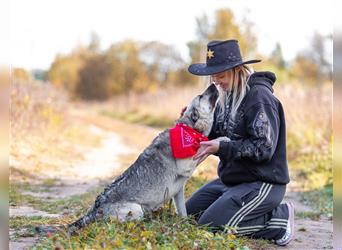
94,214
82,222
49,229
70,229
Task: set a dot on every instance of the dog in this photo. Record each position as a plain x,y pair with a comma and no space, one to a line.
156,176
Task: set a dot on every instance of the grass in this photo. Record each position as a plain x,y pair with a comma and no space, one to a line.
309,133
23,222
320,199
76,203
159,230
308,215
309,140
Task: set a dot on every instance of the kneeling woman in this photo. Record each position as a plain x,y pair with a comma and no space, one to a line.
249,138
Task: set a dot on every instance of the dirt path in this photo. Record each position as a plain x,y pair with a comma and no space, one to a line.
103,162
310,233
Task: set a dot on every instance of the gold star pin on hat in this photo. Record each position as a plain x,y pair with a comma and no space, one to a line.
210,54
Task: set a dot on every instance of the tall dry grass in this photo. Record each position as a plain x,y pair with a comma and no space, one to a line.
309,133
308,112
39,117
42,132
35,107
166,102
309,117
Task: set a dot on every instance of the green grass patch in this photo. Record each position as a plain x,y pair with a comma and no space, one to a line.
16,198
26,226
320,199
308,215
135,116
313,170
50,182
76,203
160,230
20,222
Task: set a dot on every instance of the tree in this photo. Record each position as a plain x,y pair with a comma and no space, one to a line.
93,79
20,74
224,27
203,34
126,66
94,45
64,71
304,69
320,57
313,64
181,77
277,57
160,59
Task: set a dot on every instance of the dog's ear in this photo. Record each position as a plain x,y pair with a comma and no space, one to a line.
194,115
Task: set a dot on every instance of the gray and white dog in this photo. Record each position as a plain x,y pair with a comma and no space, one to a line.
156,176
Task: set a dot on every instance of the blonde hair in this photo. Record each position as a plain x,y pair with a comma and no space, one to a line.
239,88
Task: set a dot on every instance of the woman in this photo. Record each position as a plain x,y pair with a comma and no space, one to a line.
249,138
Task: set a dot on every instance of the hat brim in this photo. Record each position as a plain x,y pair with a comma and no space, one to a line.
202,69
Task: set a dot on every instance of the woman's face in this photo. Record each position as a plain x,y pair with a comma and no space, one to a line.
223,79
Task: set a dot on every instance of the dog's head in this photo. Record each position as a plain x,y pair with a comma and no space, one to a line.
199,114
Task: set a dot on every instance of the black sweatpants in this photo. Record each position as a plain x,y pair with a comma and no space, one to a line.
253,209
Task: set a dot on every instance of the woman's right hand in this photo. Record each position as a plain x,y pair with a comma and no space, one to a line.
200,155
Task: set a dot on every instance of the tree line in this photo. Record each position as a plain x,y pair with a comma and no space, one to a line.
133,66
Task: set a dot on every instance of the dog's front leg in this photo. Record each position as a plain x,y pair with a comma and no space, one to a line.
179,202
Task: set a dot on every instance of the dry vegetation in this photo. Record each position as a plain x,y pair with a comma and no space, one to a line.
308,113
44,134
309,133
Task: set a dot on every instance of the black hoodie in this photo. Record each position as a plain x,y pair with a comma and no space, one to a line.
257,150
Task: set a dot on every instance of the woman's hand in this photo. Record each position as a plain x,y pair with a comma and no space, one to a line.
207,148
201,155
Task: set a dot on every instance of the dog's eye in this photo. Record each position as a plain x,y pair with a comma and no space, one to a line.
194,115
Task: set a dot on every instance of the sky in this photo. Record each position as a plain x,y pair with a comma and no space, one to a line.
39,29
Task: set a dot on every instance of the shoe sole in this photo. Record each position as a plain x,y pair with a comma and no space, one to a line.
291,209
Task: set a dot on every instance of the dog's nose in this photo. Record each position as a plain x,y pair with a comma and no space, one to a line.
213,94
211,90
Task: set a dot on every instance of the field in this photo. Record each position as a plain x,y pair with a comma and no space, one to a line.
63,153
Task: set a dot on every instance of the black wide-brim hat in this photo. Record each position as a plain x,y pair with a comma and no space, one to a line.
221,56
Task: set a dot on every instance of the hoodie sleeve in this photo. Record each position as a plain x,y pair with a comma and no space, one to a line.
262,124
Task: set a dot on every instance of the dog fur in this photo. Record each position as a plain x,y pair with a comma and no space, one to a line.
156,176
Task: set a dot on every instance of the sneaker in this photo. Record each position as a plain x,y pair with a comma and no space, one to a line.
288,236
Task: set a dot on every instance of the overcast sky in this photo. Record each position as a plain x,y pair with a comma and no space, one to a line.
41,28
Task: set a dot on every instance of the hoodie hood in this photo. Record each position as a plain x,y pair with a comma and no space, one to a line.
265,78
